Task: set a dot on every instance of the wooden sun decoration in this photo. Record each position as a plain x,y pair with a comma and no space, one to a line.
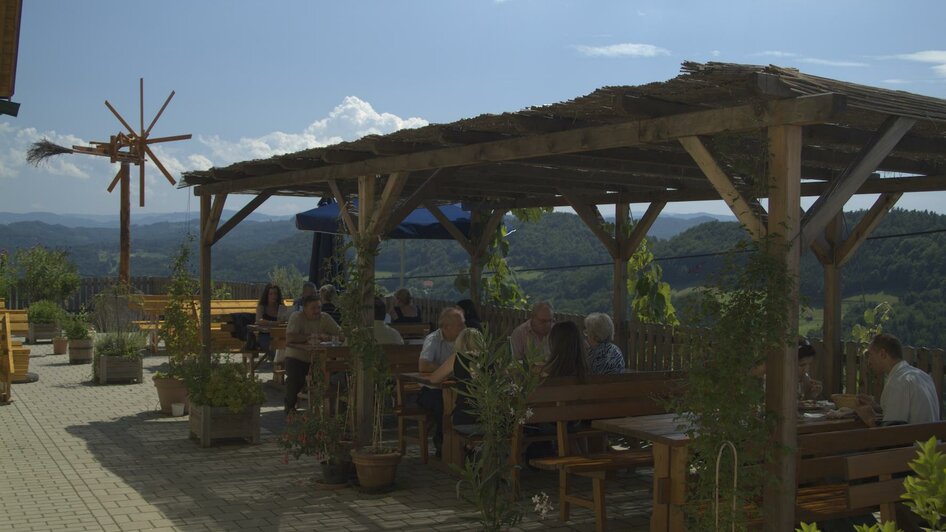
132,147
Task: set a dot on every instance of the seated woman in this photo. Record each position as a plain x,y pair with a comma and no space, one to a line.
567,352
268,310
604,358
328,295
471,319
404,310
468,343
308,288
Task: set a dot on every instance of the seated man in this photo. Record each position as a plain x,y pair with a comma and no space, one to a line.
909,394
384,334
438,346
534,333
310,324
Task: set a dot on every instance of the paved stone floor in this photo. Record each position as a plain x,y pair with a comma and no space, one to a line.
76,456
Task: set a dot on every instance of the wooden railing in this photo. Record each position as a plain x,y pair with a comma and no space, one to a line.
90,286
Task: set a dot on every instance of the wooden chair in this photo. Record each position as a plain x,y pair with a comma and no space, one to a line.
403,359
565,402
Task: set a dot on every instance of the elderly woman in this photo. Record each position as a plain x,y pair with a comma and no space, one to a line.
603,356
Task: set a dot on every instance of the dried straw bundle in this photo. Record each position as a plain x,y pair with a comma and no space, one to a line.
42,150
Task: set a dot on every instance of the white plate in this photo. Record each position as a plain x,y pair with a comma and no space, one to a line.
812,416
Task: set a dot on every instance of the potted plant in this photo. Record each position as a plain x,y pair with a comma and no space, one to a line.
224,401
180,331
80,339
117,357
44,317
317,433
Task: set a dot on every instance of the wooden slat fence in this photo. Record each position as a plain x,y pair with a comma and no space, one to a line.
90,286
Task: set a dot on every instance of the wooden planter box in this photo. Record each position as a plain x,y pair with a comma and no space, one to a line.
209,423
42,331
119,369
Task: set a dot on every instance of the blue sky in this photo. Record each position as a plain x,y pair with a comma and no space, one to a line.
257,78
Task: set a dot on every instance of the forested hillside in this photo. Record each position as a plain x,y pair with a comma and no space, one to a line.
557,259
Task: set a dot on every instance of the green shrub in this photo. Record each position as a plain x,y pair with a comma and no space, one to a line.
221,384
77,327
46,274
44,311
120,344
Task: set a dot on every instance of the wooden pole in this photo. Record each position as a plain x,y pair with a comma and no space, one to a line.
124,254
619,300
364,383
782,364
831,361
205,281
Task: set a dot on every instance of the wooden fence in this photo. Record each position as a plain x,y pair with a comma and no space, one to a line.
90,286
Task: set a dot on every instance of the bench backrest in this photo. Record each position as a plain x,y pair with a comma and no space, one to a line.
6,359
19,322
824,455
412,330
874,473
606,396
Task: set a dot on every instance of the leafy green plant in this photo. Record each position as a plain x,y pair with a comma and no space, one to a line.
497,390
874,320
746,311
77,327
111,309
926,491
180,329
289,279
889,526
650,295
46,274
7,274
120,344
45,311
221,384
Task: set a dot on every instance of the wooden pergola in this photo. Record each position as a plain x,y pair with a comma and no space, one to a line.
690,138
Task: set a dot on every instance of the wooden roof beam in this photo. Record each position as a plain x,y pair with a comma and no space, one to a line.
589,213
239,216
637,105
745,209
336,156
384,146
832,201
866,226
799,111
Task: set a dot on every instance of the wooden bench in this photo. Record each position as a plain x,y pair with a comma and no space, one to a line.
846,473
17,326
567,401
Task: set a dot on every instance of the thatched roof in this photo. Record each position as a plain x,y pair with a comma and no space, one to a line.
551,151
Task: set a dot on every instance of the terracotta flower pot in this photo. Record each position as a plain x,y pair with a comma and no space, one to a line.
60,345
170,391
375,470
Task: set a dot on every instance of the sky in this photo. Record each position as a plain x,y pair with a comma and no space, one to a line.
255,79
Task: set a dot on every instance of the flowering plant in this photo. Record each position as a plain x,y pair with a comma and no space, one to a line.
315,433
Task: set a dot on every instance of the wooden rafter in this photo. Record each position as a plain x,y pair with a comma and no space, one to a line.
429,186
216,211
450,227
830,203
738,204
805,110
866,226
389,196
240,215
343,208
590,214
640,230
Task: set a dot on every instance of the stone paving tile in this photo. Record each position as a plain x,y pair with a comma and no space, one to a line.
77,456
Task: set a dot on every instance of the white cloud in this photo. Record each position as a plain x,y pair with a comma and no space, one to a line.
352,119
17,141
627,49
940,70
715,53
925,56
776,53
829,62
895,81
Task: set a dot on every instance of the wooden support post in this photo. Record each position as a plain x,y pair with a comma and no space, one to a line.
364,383
831,332
482,235
782,364
619,278
124,253
205,280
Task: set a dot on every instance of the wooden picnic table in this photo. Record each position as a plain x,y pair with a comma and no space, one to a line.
670,441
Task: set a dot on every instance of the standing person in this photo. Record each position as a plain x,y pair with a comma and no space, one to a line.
328,295
534,333
268,310
308,288
604,357
437,349
909,394
404,310
307,326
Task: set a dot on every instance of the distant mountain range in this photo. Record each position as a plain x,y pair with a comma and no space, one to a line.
666,226
111,220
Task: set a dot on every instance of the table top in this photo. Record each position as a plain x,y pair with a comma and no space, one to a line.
416,376
669,430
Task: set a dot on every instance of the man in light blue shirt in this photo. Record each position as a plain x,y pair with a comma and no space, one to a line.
909,394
